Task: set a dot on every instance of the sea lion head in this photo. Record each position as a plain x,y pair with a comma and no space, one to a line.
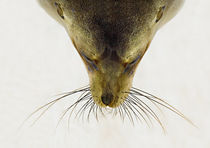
111,36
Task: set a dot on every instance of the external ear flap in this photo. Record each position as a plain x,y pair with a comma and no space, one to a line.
160,14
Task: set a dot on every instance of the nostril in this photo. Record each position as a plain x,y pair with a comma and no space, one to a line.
107,99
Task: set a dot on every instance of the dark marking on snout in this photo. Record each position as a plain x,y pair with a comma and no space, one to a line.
114,56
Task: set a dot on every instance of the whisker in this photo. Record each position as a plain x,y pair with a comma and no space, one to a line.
92,105
130,107
162,103
128,113
84,108
115,112
87,87
89,106
43,112
121,111
133,103
80,111
154,97
101,110
124,113
97,112
50,104
73,105
136,89
148,109
80,98
141,107
129,104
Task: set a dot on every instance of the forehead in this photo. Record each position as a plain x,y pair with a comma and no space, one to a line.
108,25
111,22
110,7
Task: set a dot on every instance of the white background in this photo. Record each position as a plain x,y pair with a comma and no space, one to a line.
38,61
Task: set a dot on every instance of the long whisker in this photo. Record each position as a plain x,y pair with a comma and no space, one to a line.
154,97
128,113
74,105
91,108
85,96
86,106
97,112
133,103
87,87
101,110
119,111
50,104
139,105
144,106
125,111
147,108
155,101
136,89
122,114
81,110
160,102
132,108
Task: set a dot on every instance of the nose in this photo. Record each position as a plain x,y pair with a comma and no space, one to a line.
107,98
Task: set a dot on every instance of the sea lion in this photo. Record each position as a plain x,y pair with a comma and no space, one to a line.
111,36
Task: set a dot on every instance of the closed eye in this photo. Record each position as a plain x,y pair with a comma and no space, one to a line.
131,64
89,61
134,61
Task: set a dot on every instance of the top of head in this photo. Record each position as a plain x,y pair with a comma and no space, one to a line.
111,36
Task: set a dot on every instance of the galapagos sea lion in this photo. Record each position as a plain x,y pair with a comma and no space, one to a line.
111,36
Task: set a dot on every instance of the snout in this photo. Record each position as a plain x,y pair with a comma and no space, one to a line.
107,99
109,82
